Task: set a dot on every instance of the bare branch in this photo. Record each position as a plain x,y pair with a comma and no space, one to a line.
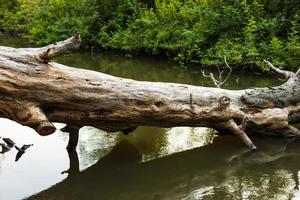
214,80
293,130
298,72
220,74
229,73
48,52
239,132
286,74
220,82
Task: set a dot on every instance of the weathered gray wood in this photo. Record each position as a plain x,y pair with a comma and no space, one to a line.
34,91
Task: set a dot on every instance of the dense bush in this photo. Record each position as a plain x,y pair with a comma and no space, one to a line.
190,31
45,21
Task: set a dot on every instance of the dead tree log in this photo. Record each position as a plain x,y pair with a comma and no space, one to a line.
34,91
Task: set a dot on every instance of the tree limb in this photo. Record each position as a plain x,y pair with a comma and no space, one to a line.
36,93
53,50
238,131
286,74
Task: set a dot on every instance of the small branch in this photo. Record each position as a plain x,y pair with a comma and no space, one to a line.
220,82
298,72
235,129
59,48
211,76
293,130
220,73
230,70
286,74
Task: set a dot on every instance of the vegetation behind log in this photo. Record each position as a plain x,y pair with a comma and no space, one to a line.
192,31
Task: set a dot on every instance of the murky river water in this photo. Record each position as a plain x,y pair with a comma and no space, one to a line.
151,163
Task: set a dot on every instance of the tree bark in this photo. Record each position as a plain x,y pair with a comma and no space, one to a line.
34,91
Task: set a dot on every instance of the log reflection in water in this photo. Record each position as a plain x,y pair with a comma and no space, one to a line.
74,164
221,169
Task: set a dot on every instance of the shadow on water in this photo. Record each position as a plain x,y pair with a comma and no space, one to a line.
221,170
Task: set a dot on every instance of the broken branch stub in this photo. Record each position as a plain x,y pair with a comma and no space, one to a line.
53,50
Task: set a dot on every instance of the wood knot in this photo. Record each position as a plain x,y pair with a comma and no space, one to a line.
270,104
224,101
44,56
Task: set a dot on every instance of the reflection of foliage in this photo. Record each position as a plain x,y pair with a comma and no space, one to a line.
201,173
148,140
13,42
160,142
149,69
277,184
93,145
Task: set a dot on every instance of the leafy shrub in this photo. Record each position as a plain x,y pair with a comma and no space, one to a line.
189,31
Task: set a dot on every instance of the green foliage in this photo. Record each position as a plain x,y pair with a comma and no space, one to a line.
114,16
7,10
292,46
189,31
45,21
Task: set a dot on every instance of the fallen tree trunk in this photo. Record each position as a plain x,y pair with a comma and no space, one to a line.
34,91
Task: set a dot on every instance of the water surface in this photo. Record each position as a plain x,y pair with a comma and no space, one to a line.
151,163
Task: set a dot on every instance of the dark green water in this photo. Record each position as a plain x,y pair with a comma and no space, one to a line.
151,163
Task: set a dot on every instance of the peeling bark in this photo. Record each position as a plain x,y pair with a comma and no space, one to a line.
34,91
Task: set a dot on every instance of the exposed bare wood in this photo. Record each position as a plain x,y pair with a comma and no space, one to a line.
35,92
286,74
53,50
238,131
